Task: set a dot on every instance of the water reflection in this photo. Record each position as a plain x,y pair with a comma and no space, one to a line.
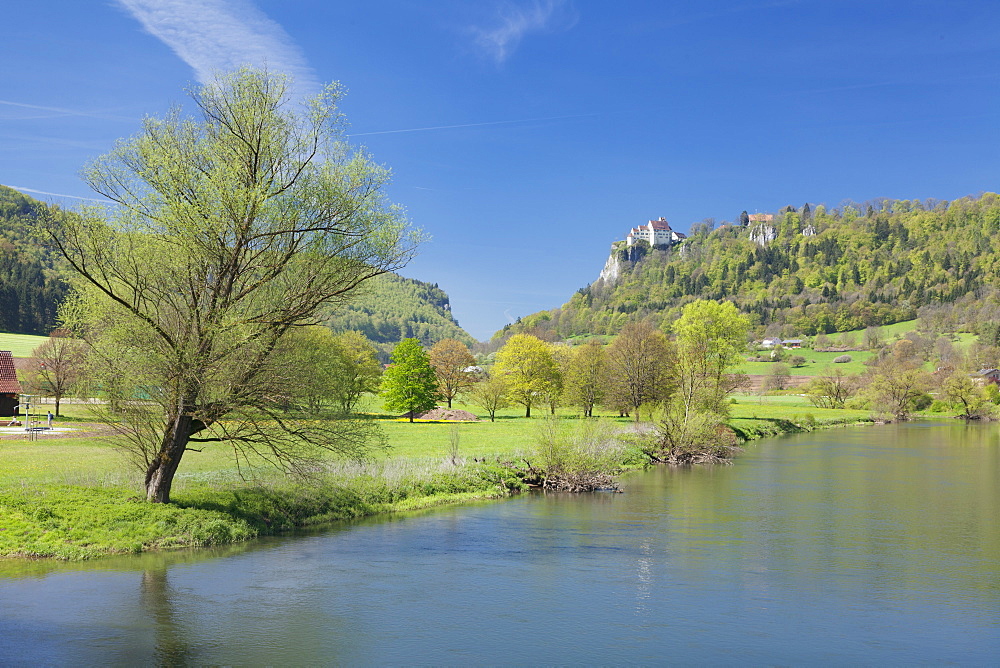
171,645
857,545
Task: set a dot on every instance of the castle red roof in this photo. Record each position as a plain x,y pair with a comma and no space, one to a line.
660,224
8,376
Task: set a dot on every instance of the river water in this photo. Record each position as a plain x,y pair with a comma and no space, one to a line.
868,545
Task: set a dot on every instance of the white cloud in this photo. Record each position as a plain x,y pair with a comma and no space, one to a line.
220,35
514,22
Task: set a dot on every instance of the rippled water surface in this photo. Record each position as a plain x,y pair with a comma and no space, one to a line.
860,545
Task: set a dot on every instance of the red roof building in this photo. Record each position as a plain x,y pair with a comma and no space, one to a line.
10,389
655,233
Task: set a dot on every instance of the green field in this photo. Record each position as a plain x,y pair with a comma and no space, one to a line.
817,363
20,345
95,462
76,498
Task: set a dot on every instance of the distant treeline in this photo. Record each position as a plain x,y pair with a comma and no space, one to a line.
30,285
808,271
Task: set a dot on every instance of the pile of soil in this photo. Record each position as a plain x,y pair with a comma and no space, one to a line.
448,414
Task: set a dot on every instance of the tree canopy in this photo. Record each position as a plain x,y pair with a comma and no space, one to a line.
409,384
227,231
450,359
528,368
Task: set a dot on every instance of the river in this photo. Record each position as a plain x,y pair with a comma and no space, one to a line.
862,545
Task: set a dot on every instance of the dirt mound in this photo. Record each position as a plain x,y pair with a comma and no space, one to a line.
448,414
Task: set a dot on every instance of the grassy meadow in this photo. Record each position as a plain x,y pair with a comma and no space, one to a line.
20,345
78,497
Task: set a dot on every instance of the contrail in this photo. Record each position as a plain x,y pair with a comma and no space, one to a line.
66,112
44,192
471,125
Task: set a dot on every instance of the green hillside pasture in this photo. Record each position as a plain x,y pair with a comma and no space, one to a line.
20,345
817,363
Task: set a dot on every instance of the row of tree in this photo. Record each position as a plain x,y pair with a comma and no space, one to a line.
897,383
686,376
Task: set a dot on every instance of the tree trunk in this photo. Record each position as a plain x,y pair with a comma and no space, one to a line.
449,402
160,473
57,405
527,410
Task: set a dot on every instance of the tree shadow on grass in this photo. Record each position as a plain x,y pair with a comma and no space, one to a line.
273,510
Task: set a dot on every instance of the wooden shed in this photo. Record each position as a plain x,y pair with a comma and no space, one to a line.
10,389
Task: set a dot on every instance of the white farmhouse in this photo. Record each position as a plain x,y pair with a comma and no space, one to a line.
655,233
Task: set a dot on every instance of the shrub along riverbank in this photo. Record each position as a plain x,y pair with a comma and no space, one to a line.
74,499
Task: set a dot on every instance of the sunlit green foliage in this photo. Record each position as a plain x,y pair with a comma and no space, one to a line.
853,270
409,384
527,365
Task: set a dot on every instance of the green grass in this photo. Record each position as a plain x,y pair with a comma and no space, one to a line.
77,498
20,345
893,331
817,363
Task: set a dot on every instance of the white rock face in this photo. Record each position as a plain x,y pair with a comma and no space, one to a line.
612,268
763,234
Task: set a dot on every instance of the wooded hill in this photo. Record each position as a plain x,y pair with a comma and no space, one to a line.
807,271
390,308
387,310
30,284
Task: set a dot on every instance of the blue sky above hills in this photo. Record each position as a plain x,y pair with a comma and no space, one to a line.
526,135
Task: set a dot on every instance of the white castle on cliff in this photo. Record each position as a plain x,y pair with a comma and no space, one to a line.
655,233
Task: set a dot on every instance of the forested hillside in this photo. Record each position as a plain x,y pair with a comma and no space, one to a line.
387,310
809,271
390,308
30,287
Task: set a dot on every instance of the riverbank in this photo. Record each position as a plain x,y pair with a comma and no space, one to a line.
74,522
72,499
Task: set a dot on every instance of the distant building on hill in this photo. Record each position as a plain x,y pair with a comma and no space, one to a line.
983,375
655,233
10,389
761,218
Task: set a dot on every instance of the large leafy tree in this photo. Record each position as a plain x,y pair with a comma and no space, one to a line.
358,369
227,231
638,366
451,359
334,370
709,338
409,384
530,372
584,385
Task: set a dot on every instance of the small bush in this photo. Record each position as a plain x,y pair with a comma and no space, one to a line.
922,402
842,359
940,406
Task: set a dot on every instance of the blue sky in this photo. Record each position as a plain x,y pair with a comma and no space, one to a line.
527,135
